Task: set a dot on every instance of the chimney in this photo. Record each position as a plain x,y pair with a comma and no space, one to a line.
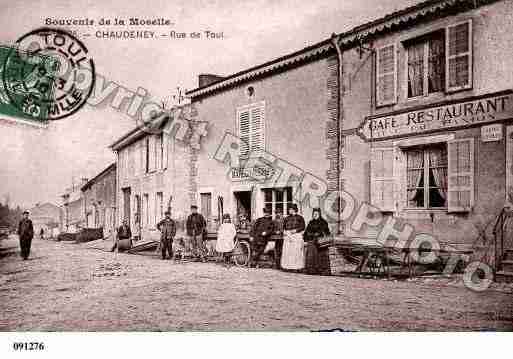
207,79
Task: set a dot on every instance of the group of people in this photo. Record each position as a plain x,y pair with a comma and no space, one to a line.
296,245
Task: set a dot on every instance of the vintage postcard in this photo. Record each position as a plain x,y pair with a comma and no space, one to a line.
255,166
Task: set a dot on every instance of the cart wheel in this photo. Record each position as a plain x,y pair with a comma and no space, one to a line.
241,254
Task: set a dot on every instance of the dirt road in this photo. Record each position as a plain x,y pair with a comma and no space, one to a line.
72,287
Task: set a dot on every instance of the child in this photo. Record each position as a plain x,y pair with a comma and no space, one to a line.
226,238
179,248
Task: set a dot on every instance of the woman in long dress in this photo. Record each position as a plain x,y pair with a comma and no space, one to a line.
226,238
317,228
293,256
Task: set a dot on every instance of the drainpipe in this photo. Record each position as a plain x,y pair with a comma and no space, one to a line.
334,41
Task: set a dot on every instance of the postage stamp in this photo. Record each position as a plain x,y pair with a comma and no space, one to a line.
48,75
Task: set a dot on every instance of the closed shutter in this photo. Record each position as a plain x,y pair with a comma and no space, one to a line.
244,133
386,75
460,175
382,178
251,129
257,129
458,61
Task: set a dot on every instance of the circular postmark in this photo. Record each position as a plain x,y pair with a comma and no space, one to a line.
48,74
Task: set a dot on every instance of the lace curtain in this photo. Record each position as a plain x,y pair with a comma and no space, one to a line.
415,69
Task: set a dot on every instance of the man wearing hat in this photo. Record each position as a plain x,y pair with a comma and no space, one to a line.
167,230
195,227
25,233
260,234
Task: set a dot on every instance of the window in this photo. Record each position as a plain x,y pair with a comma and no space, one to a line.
206,204
251,129
146,210
386,75
278,200
156,152
426,65
435,62
426,172
159,210
423,173
147,155
161,151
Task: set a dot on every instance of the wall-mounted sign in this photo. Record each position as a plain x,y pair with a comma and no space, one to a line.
470,112
491,133
255,173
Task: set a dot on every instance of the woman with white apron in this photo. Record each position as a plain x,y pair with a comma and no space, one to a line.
293,253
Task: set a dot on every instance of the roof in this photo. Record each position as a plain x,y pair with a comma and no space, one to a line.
45,210
358,34
142,130
89,183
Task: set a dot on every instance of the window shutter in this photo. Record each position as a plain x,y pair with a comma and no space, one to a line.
400,184
165,154
244,133
257,129
382,178
460,175
386,75
458,59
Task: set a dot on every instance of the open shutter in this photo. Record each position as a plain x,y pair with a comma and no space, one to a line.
386,75
382,178
458,60
257,129
400,184
460,175
244,132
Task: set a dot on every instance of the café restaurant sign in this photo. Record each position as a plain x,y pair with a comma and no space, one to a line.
470,112
253,173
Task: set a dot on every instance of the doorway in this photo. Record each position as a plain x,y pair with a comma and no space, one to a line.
126,204
243,202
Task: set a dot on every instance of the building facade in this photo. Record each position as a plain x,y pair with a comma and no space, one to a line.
99,200
268,135
73,218
426,104
408,113
153,173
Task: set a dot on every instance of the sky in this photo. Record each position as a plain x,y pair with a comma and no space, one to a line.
36,165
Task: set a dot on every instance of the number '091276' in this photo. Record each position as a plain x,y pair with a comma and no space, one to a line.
23,346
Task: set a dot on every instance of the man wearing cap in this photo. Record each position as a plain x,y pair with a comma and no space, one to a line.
260,234
195,227
167,230
25,233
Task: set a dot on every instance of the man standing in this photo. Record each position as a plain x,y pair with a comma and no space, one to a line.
195,227
25,233
124,232
260,234
167,230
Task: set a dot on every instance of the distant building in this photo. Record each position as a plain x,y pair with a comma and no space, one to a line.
99,200
73,218
47,217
